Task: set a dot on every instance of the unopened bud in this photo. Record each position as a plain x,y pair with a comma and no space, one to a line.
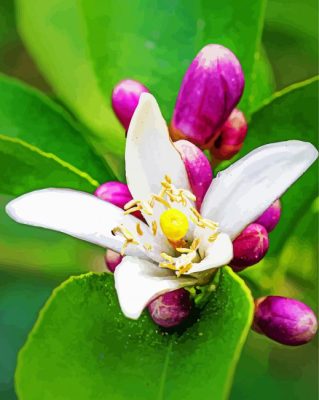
112,259
198,169
211,88
116,193
249,247
125,97
231,137
287,321
171,309
270,218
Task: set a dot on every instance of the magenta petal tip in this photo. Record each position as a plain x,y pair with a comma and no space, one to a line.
211,88
114,192
198,169
125,97
270,218
112,260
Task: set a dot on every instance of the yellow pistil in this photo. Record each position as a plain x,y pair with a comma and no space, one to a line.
174,224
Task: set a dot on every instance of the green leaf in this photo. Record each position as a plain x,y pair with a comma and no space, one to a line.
40,145
21,297
291,39
83,347
263,81
102,42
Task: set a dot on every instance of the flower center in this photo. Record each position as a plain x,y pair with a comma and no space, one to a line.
174,224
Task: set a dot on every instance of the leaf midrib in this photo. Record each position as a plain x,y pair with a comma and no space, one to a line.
53,157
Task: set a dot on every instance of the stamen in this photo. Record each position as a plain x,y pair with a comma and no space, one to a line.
195,244
139,229
154,227
183,250
168,179
147,246
160,200
130,204
132,210
168,265
167,257
213,237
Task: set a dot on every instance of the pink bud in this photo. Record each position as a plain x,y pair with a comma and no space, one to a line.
198,169
211,88
112,259
249,247
231,137
270,218
287,321
116,193
171,309
125,97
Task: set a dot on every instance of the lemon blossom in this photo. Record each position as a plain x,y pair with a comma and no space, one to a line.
177,244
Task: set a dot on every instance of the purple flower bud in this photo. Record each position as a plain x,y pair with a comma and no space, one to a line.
270,218
249,247
211,88
116,193
171,308
198,169
231,137
125,97
112,259
285,320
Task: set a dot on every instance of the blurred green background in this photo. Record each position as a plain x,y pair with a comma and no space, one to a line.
33,262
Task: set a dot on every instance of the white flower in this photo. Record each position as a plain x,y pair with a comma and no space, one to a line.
156,176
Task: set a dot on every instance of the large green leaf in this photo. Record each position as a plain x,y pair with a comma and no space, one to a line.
291,39
94,44
82,347
40,145
21,296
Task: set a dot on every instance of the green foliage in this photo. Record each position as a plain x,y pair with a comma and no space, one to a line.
101,44
40,146
83,347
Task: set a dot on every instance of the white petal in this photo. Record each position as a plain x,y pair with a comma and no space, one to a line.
217,254
78,214
241,193
139,281
150,154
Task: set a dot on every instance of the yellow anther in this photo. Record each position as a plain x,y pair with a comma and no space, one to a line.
154,227
147,246
167,257
160,200
174,224
195,244
139,229
130,204
183,250
131,210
